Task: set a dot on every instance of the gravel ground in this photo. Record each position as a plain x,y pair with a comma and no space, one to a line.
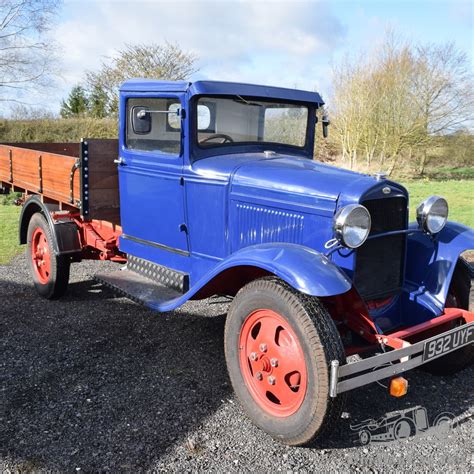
95,382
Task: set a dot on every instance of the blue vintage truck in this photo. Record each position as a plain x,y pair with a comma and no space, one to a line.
212,189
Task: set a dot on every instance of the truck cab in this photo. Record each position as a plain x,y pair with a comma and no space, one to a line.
194,157
214,191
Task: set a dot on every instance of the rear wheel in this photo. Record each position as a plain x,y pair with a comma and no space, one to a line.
460,295
50,272
279,344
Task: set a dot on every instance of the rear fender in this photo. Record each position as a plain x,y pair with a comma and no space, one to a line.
66,235
431,260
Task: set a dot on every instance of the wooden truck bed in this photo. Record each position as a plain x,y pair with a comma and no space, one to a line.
80,176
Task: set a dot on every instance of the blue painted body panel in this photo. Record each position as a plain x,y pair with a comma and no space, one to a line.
240,207
220,88
301,267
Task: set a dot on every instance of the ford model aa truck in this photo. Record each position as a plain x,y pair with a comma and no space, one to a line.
212,189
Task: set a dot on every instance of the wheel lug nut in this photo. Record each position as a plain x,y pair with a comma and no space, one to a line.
259,376
253,356
271,380
274,362
263,347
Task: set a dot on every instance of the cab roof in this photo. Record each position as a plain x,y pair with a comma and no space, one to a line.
220,88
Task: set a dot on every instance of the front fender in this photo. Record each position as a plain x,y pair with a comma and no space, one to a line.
301,267
431,261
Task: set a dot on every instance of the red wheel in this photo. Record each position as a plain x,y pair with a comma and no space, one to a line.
40,255
279,345
50,272
272,363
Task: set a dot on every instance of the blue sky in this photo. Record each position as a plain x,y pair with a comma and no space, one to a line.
287,43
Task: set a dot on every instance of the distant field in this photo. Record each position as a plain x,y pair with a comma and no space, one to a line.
459,193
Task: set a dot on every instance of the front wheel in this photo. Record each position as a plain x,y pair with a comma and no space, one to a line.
50,272
279,344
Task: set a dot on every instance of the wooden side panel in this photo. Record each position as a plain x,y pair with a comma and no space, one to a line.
69,149
104,202
39,172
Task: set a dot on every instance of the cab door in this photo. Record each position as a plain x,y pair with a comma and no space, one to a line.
150,176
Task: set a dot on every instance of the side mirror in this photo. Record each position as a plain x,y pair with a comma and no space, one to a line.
325,122
141,120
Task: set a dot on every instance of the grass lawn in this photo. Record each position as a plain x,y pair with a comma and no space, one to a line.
9,247
459,193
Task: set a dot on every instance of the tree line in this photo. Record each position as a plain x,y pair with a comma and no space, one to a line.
389,105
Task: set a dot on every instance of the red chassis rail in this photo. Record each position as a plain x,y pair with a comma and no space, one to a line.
98,238
409,350
398,339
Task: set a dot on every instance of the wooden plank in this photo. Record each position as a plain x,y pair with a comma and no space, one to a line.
104,202
69,149
100,198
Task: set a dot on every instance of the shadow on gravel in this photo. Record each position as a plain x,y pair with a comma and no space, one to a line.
436,394
98,383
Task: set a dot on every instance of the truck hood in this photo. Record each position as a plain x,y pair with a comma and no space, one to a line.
297,182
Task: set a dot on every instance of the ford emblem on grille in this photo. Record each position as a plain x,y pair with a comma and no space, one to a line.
386,190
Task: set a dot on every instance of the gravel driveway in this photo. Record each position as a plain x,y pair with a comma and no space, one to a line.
95,382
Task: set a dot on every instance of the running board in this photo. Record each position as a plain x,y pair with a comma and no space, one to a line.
137,287
178,281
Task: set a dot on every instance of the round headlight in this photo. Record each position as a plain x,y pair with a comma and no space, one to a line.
352,225
432,214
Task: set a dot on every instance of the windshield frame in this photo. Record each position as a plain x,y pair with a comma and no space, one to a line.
199,152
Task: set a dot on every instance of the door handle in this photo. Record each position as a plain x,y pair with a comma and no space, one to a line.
119,161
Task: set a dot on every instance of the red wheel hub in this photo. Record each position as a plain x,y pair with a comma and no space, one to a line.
272,363
40,255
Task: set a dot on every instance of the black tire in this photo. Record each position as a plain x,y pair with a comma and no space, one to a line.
365,437
58,278
320,343
404,428
460,295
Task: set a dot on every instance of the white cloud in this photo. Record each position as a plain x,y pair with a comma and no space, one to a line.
274,42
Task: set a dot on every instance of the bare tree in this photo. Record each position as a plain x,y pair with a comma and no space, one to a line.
26,54
154,61
395,101
442,91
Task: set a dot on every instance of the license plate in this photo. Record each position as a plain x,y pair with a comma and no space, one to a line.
448,342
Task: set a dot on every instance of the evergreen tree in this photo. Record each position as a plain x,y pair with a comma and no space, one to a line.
76,104
98,102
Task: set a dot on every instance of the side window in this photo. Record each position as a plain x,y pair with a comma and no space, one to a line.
154,124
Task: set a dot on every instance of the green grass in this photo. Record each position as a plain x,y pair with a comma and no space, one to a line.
449,172
9,246
459,193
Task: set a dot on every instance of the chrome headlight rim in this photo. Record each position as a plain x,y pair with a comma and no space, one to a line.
341,221
428,208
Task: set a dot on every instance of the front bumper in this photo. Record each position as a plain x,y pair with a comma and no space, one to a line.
357,374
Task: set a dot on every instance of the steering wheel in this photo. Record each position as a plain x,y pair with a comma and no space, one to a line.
216,136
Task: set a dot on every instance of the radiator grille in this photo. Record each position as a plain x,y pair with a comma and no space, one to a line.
379,265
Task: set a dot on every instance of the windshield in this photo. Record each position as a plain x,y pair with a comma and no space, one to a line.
224,121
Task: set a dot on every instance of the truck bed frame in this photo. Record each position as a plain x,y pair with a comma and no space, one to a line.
72,181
